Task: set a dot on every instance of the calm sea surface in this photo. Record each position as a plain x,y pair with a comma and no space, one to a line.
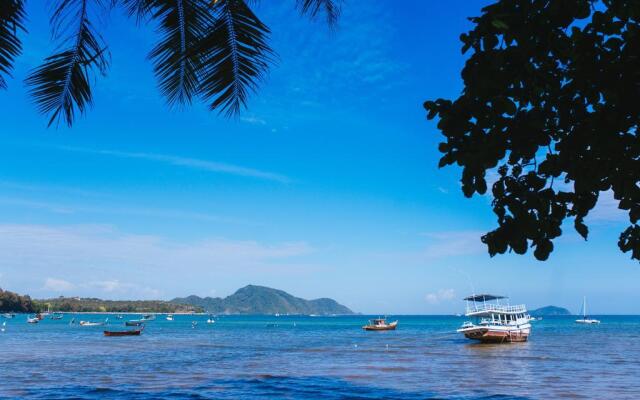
317,357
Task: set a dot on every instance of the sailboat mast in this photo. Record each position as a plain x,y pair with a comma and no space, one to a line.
584,307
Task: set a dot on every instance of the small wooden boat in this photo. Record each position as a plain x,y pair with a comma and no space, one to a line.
148,317
134,323
90,323
134,332
56,316
33,320
380,324
8,315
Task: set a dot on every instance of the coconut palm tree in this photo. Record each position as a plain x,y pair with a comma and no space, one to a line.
216,51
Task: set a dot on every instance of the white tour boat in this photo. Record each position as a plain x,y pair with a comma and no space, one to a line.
584,319
495,322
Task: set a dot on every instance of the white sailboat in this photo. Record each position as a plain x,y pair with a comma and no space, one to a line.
584,319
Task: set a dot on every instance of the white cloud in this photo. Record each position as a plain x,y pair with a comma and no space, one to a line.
440,295
253,120
194,163
58,285
104,260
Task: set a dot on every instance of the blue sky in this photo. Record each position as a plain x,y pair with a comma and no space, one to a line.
326,186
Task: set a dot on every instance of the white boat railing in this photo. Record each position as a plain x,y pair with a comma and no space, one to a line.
488,307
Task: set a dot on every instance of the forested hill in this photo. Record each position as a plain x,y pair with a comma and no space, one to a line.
549,310
13,302
254,299
78,304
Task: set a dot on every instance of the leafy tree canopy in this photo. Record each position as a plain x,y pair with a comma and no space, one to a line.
213,50
550,109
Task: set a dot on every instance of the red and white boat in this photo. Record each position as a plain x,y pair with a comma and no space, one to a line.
495,322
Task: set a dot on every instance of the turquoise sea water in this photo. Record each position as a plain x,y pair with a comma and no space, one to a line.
317,357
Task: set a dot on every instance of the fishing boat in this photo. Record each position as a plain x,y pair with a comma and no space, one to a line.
148,317
91,323
134,323
56,316
584,319
380,324
495,322
133,332
33,320
8,315
170,317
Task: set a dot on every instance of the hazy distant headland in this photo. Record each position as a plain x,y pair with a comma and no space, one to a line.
250,299
549,311
81,304
254,299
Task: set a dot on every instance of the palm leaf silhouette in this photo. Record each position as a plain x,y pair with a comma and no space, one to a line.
331,9
12,17
60,86
234,56
182,25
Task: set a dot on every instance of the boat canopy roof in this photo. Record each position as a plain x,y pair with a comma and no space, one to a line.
483,297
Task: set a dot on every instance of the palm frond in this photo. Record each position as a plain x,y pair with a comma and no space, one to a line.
313,8
61,85
235,56
12,17
140,9
182,25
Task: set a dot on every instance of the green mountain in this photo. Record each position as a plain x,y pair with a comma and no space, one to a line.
254,299
549,310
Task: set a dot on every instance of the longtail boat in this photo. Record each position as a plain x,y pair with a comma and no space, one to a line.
135,332
380,324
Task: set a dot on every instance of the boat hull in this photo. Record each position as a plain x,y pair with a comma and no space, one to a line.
390,327
488,335
587,321
136,332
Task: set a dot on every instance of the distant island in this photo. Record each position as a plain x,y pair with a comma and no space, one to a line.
549,311
80,304
254,299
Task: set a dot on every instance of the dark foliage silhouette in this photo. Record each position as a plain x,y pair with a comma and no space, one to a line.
550,110
213,50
